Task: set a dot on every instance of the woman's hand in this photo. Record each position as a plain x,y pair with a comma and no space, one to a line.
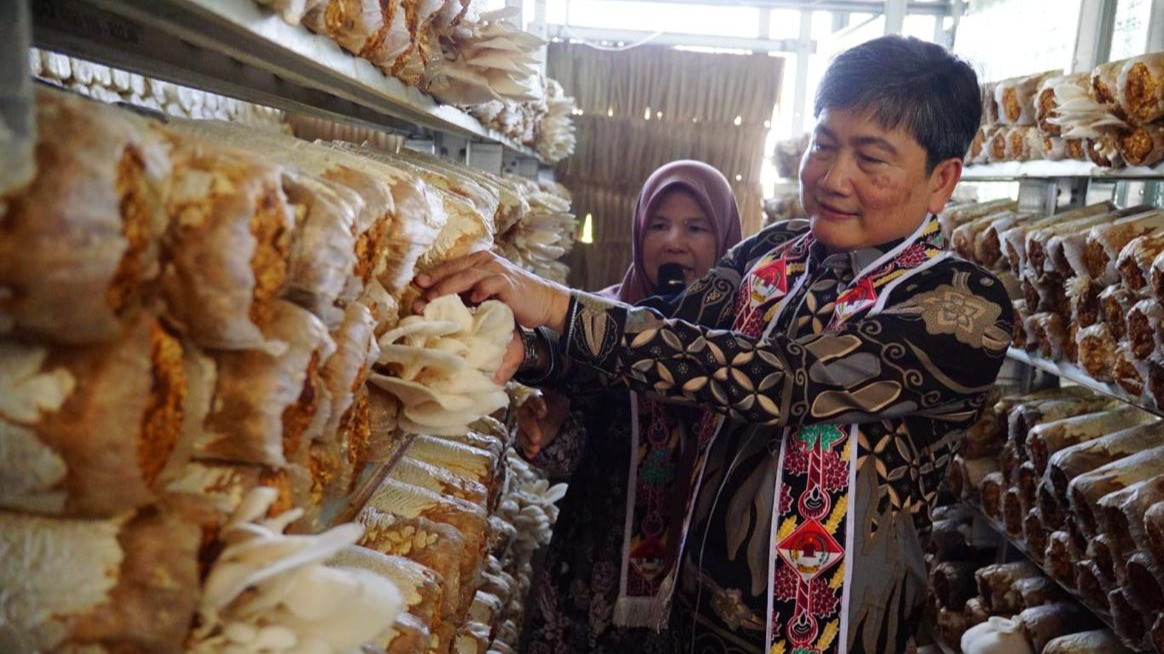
538,421
483,275
511,360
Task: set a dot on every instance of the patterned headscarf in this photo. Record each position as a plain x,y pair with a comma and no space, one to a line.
709,188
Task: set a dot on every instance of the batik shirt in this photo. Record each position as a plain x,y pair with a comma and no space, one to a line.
910,377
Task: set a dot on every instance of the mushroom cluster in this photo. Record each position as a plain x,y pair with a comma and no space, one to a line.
544,234
492,59
555,133
107,84
442,363
271,592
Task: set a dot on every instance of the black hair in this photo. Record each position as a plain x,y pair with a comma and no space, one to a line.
906,82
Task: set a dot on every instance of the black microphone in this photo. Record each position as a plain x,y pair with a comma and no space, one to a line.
671,279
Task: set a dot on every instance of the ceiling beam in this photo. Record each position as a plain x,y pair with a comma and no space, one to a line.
895,11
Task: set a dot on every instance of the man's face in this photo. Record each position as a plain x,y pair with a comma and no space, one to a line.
864,185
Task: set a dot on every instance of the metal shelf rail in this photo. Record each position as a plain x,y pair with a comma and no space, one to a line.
1011,171
1077,375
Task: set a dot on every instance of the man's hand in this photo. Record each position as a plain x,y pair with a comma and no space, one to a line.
483,275
538,421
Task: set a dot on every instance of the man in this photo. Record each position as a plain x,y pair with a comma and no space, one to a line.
836,368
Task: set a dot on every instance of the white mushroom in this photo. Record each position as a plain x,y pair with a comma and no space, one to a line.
442,364
271,592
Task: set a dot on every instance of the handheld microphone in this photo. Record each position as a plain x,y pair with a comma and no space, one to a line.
671,279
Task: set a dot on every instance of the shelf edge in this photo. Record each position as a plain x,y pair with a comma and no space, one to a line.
1077,375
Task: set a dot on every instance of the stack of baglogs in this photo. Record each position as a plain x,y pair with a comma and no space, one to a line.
1007,608
1089,283
1079,479
203,363
1112,116
107,84
544,123
478,60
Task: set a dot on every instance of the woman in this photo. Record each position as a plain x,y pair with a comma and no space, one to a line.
601,574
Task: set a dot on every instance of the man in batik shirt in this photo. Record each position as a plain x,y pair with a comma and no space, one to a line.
836,360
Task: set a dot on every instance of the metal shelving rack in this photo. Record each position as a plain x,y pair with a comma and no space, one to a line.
1009,171
1048,187
236,48
1051,187
345,509
1020,546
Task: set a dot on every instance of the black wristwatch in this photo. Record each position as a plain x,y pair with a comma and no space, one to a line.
538,363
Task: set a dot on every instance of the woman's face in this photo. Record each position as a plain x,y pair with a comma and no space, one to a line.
678,231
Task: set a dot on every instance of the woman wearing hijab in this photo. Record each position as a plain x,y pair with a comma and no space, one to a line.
613,541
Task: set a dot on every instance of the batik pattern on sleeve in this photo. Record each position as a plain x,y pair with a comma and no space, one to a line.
921,354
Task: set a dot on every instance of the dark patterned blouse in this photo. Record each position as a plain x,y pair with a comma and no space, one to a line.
911,377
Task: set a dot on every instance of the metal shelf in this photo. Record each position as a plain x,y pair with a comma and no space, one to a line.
1077,375
1010,171
345,509
236,48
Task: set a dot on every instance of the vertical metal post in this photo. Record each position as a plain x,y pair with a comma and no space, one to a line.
1155,27
486,156
957,8
539,28
17,102
941,36
1093,35
1093,40
800,99
840,20
894,16
540,16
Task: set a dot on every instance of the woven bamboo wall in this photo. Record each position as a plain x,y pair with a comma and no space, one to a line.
693,100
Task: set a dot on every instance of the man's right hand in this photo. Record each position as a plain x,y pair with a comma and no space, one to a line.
484,275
